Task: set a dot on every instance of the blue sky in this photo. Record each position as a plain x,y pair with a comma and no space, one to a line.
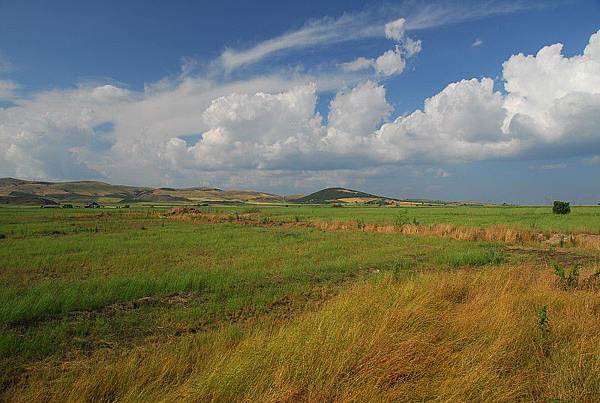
288,96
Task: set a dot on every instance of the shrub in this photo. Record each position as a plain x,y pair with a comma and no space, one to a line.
2,236
544,327
561,207
567,279
402,219
337,205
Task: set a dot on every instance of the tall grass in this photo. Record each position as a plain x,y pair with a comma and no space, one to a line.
445,336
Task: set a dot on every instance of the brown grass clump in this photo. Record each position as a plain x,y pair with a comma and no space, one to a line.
447,336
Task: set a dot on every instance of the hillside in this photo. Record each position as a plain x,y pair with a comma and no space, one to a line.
17,191
343,195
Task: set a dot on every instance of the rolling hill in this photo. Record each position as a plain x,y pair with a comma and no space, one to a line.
17,191
343,195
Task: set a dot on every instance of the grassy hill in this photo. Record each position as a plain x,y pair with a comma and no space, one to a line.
342,195
17,191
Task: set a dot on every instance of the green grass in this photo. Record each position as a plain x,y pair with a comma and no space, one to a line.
582,218
68,278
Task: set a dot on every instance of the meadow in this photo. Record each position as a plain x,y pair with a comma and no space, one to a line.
142,305
582,218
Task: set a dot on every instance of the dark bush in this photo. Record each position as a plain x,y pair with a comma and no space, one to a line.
561,207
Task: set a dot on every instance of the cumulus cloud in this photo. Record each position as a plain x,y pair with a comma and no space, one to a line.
392,61
463,122
395,29
269,127
389,63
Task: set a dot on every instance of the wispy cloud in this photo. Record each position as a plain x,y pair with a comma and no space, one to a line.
477,42
320,32
371,23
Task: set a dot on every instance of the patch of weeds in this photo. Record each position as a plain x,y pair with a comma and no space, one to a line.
287,234
251,210
2,236
543,321
401,219
360,224
568,279
543,325
401,267
472,257
297,218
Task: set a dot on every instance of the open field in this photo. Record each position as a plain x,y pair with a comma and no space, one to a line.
582,218
142,305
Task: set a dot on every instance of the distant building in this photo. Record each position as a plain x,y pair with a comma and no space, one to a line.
67,206
93,204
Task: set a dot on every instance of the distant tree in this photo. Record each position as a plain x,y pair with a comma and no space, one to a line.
561,207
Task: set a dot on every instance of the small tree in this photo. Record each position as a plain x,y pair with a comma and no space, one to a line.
561,207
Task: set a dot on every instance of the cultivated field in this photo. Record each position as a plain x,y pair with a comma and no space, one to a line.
306,303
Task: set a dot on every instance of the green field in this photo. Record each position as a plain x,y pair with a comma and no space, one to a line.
582,218
81,286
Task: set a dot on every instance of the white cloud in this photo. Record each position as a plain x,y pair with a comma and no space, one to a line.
412,46
392,61
320,32
463,122
477,42
360,63
395,29
389,63
553,101
373,23
268,127
353,117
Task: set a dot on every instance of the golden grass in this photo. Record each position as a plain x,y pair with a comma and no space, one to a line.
467,335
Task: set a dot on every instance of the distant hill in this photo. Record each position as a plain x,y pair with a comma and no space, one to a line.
17,191
343,195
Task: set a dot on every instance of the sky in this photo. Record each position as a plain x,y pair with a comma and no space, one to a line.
493,101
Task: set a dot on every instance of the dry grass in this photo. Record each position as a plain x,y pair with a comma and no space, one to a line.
467,335
495,233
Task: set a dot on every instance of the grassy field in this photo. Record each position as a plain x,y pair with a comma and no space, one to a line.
134,305
582,218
